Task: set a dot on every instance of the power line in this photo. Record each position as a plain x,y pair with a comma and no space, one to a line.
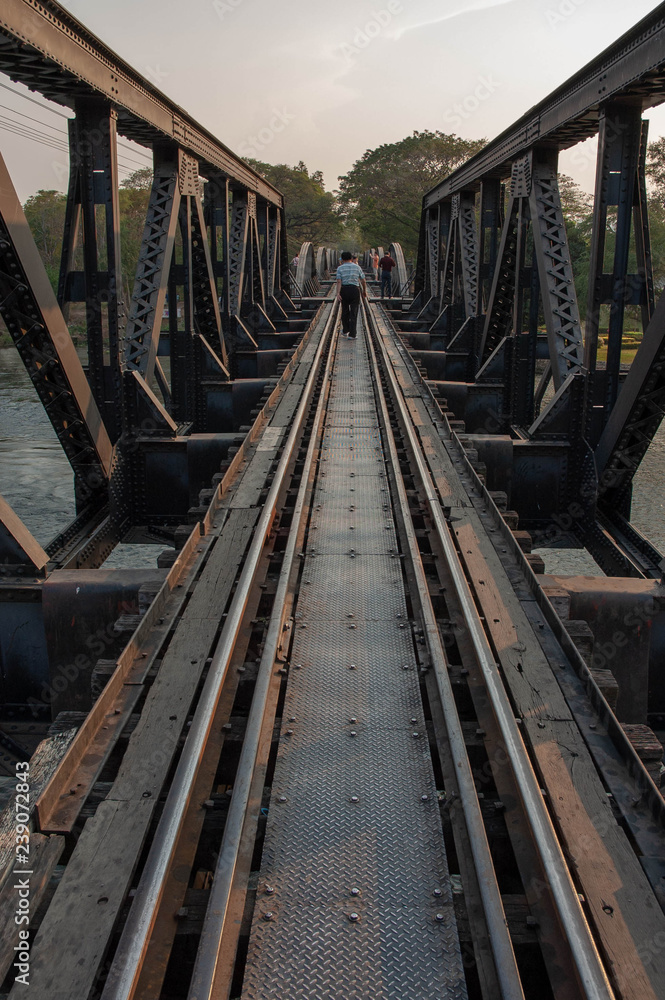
61,114
33,101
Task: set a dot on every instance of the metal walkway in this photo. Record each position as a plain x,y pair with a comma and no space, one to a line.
354,893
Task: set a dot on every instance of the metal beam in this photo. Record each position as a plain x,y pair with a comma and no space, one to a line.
152,273
29,308
552,254
634,66
45,47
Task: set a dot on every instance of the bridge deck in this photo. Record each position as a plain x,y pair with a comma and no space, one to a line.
354,851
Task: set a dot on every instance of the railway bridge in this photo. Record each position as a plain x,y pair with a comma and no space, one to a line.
348,738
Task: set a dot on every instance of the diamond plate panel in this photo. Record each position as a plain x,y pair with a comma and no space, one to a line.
368,587
354,852
359,664
340,528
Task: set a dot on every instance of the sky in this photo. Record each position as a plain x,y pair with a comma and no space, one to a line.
291,80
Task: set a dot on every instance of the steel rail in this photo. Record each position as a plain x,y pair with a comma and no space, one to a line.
204,985
591,972
127,963
497,926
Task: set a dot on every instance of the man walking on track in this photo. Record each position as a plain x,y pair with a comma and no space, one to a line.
350,283
386,264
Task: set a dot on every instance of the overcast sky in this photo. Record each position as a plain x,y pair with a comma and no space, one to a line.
290,80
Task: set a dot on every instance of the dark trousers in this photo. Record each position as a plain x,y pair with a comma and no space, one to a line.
350,303
386,283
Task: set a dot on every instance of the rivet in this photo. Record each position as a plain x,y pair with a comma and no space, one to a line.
353,733
415,735
413,721
354,917
292,718
440,917
268,915
406,665
355,892
289,732
282,798
424,798
354,798
352,666
352,626
269,890
437,892
353,721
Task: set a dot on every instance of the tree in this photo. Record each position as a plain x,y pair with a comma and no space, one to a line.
656,166
311,211
45,212
383,191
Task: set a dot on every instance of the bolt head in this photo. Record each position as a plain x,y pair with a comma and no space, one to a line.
268,915
440,917
355,892
437,892
282,798
354,917
269,890
354,799
424,798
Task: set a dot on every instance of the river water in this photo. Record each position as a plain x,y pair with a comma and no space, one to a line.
36,479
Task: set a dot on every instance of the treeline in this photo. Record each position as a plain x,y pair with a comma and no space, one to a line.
378,201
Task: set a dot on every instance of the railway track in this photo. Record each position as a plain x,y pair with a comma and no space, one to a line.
349,749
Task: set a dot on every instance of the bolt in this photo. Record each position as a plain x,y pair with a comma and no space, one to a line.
424,798
440,917
354,917
437,892
352,666
355,892
353,733
269,915
282,798
354,798
268,890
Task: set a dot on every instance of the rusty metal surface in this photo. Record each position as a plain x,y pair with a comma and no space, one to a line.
354,894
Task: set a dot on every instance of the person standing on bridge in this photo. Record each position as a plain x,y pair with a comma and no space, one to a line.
375,265
386,264
350,285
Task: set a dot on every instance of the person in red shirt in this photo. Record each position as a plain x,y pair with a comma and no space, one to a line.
386,265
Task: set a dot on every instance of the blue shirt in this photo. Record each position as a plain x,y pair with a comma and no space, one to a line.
349,273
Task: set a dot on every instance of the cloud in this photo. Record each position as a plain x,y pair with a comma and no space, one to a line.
467,8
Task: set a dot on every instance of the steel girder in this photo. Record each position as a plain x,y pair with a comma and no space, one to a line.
38,329
93,181
150,287
633,67
619,148
49,50
555,269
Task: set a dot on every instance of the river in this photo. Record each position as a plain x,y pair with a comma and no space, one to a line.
36,479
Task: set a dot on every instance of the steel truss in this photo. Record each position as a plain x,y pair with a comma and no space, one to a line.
507,317
212,278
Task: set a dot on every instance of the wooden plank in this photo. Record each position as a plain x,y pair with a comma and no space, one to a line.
44,855
620,901
43,764
168,703
72,940
76,928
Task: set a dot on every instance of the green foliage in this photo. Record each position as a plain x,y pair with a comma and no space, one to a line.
45,212
382,193
311,211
